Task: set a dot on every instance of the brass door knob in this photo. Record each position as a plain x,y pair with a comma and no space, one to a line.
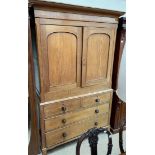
97,100
63,108
96,111
64,121
64,134
96,123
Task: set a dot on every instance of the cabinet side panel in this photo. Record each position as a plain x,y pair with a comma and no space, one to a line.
35,57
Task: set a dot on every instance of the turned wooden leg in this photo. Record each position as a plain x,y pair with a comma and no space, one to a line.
44,151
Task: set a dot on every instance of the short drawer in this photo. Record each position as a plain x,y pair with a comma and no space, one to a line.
96,99
71,117
64,106
61,107
64,134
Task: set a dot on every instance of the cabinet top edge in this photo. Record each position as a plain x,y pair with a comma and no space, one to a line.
46,4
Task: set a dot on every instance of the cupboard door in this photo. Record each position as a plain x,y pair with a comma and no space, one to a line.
98,50
61,57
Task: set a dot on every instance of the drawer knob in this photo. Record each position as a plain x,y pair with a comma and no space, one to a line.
64,121
64,134
96,111
63,109
97,100
96,123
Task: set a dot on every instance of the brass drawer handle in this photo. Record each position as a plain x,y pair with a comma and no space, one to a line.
96,111
97,100
64,121
96,123
63,109
64,134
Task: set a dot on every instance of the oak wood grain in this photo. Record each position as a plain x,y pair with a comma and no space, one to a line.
76,116
56,108
72,16
75,47
59,7
97,56
45,21
71,92
98,98
75,103
55,137
61,61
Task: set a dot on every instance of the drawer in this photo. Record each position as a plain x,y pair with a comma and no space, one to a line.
74,130
61,107
71,117
96,99
64,106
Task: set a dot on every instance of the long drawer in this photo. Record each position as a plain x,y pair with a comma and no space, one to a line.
64,106
68,118
69,132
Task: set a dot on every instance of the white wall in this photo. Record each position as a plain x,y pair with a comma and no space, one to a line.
122,77
118,5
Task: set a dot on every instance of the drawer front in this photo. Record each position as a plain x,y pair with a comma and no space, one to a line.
68,118
61,107
96,99
74,130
